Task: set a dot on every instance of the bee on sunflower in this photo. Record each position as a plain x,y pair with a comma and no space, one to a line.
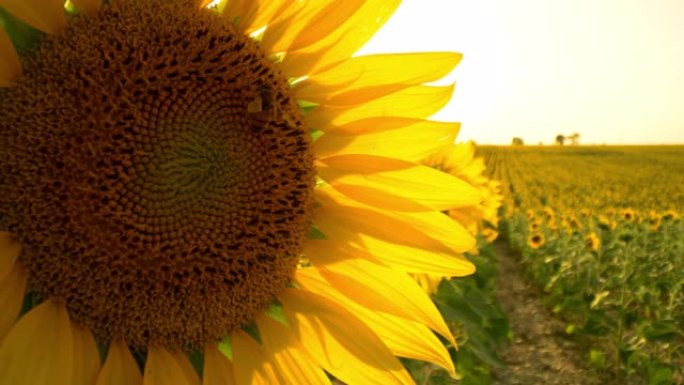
228,184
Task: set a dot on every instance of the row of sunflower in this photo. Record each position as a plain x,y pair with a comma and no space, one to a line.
220,192
600,229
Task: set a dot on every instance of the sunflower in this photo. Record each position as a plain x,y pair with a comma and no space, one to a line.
220,195
536,240
481,218
628,215
592,241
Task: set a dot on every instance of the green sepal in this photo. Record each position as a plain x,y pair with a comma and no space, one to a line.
23,36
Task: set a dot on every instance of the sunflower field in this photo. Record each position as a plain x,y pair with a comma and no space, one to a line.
600,229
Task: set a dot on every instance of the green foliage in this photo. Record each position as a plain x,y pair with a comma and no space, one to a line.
624,299
469,306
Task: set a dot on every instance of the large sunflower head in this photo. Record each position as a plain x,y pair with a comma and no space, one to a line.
227,183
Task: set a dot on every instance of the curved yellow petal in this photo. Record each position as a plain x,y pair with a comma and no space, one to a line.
164,367
39,349
396,184
262,13
45,15
376,287
415,260
10,67
363,78
326,22
218,370
10,249
289,22
250,362
403,337
342,218
413,142
87,6
418,102
342,43
292,365
404,258
120,367
234,9
339,342
86,356
12,291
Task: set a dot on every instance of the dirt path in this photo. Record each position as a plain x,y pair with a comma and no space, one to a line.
539,352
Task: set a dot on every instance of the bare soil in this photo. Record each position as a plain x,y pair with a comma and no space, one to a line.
540,353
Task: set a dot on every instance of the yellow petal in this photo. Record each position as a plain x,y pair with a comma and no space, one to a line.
414,260
403,337
339,342
250,362
292,364
10,68
164,367
326,22
234,9
39,349
87,6
289,22
413,143
12,291
340,217
376,287
396,184
363,78
261,13
10,249
344,41
45,15
120,367
86,356
418,102
218,370
347,223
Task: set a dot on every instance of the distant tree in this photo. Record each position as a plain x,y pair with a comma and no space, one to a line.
518,141
560,139
574,139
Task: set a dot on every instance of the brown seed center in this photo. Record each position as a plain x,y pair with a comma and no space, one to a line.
155,168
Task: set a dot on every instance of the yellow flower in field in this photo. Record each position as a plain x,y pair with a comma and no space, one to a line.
592,241
654,220
628,215
670,215
227,182
549,213
535,225
460,161
536,240
606,223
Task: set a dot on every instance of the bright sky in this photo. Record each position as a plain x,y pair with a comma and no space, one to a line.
611,70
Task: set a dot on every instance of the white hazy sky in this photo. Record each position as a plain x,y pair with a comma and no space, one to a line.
611,70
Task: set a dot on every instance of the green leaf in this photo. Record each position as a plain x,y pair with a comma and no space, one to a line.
665,330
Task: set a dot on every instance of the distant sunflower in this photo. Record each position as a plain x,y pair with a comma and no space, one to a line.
536,240
628,215
228,184
460,161
592,241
